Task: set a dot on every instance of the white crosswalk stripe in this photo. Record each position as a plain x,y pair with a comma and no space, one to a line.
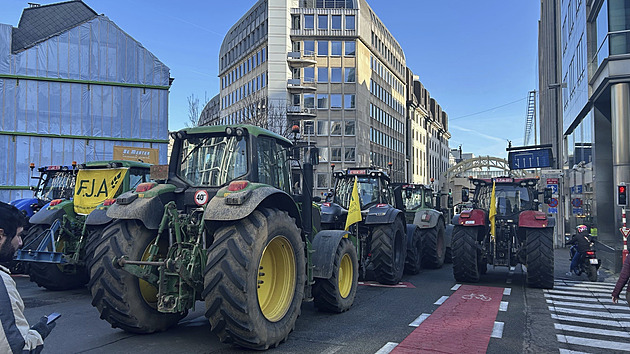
586,320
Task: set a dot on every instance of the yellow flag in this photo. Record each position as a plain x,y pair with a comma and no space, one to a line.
493,210
95,186
354,210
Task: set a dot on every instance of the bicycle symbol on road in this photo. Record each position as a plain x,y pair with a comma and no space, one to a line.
481,297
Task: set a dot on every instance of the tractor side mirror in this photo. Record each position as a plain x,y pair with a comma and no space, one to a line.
449,202
465,195
547,194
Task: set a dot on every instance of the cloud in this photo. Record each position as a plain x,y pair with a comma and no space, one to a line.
501,140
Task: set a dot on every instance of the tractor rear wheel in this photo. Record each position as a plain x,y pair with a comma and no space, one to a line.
539,247
254,279
413,262
124,300
433,246
50,275
337,293
389,250
465,256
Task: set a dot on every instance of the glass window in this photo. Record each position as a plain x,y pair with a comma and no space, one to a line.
349,128
336,22
309,74
309,100
322,48
295,99
309,126
322,180
204,160
270,164
335,74
322,128
309,47
350,49
335,154
335,128
349,153
335,48
350,22
335,101
349,75
322,74
264,55
322,22
309,21
349,101
322,101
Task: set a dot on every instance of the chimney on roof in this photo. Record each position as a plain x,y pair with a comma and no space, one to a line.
32,4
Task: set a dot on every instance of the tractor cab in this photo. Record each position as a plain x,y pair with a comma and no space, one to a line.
373,185
512,195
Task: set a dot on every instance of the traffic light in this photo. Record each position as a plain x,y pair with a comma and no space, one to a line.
622,195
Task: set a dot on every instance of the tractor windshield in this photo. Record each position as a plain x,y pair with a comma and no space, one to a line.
213,161
368,191
510,199
56,185
412,198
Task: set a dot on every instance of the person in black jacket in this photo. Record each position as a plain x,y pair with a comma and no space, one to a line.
581,238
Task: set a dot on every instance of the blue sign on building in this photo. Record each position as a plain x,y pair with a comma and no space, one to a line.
537,158
552,210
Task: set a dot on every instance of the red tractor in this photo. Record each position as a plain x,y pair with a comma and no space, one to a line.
522,233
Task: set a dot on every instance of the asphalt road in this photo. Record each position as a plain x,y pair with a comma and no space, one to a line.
379,316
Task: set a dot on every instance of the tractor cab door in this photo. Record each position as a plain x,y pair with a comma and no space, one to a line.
273,164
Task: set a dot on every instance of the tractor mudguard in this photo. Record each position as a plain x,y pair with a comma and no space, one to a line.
382,215
24,205
237,206
325,245
534,219
147,210
331,213
430,216
47,216
411,228
98,216
474,217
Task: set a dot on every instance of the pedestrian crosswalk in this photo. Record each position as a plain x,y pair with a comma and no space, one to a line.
585,318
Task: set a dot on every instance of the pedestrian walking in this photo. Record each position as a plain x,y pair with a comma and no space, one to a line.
15,336
622,281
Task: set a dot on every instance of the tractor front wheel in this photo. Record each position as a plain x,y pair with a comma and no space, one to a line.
413,262
539,246
49,275
337,293
254,279
389,250
465,257
124,300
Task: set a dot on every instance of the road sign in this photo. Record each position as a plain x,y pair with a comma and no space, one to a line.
552,210
553,202
552,181
576,202
625,231
578,211
537,158
576,189
554,188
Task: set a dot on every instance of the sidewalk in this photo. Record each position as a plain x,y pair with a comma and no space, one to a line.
562,264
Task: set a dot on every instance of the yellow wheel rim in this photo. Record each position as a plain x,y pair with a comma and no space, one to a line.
276,279
148,291
345,276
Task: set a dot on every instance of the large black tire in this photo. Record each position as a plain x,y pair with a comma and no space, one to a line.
49,275
591,272
465,254
243,270
539,247
448,233
117,294
433,246
389,250
337,293
413,262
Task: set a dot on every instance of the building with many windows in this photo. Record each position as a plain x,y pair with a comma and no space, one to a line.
595,86
330,66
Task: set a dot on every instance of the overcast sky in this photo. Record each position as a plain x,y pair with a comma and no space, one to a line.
478,59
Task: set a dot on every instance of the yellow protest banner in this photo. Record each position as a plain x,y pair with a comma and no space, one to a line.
493,210
95,186
354,209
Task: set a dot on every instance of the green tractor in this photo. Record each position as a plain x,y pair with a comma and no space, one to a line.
422,209
222,226
56,246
